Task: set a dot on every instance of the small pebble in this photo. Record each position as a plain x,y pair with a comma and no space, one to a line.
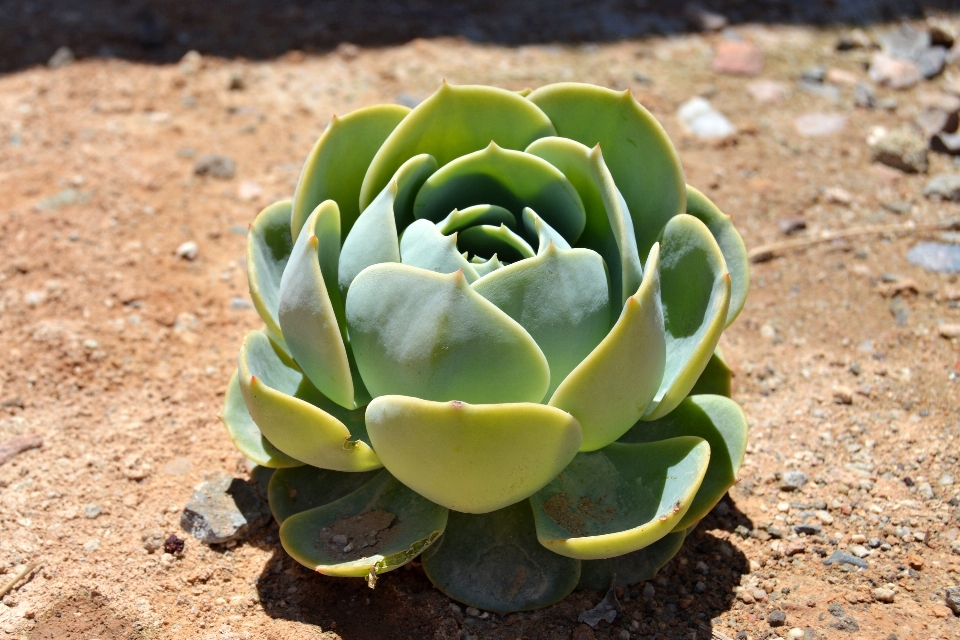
884,595
649,591
793,480
92,511
216,166
777,618
188,250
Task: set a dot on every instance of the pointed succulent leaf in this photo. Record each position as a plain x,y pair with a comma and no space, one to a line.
731,246
471,458
386,526
723,425
560,297
335,167
641,158
373,239
612,387
631,568
695,289
716,378
455,121
509,179
487,240
422,245
494,563
298,419
311,309
246,435
483,267
268,248
410,178
545,234
429,335
489,214
293,491
621,498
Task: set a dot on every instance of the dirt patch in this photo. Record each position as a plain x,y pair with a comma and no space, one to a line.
359,536
81,616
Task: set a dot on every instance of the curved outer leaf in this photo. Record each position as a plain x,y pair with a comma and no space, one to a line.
336,165
483,267
489,214
284,405
731,246
429,335
471,458
619,499
536,226
311,310
293,491
696,295
560,297
723,425
493,562
507,178
268,248
246,435
416,525
633,567
716,378
642,160
422,245
373,239
487,240
410,178
455,121
612,387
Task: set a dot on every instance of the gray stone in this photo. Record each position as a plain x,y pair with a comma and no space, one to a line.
217,166
945,186
794,480
825,91
239,303
844,622
807,529
842,557
61,58
900,311
944,142
814,74
904,42
935,256
92,511
894,72
902,149
704,19
777,619
408,100
222,510
864,96
952,598
790,226
925,491
701,119
930,63
607,610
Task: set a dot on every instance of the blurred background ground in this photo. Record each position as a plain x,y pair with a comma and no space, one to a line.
119,335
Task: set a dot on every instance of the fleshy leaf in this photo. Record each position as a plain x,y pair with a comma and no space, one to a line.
641,158
695,289
268,248
630,568
612,387
486,240
493,562
373,239
422,245
483,267
509,179
311,309
723,425
336,165
545,234
410,178
731,246
489,214
716,378
560,297
246,435
471,458
455,121
298,419
621,498
385,524
293,491
429,335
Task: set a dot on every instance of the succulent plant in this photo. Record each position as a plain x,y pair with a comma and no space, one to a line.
491,328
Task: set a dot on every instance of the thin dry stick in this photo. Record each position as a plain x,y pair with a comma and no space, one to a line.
769,251
5,589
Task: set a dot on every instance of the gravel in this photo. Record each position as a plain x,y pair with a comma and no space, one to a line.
843,557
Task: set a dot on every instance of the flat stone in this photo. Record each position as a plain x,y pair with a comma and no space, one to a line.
952,599
893,72
855,39
737,57
935,256
940,101
777,619
931,62
904,41
901,149
807,529
816,125
790,226
216,166
842,557
767,91
933,121
793,480
92,511
222,510
825,91
841,77
700,118
944,186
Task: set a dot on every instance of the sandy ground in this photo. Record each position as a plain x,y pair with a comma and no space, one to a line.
117,351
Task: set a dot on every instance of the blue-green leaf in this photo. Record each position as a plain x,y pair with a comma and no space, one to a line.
268,248
422,245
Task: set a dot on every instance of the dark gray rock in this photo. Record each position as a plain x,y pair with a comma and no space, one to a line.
793,480
807,529
216,166
935,256
844,622
814,74
224,509
777,619
952,598
842,557
945,186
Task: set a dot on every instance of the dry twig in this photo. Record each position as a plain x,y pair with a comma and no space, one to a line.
20,575
14,446
769,251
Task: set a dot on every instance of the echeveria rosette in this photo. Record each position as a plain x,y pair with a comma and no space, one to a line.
491,328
